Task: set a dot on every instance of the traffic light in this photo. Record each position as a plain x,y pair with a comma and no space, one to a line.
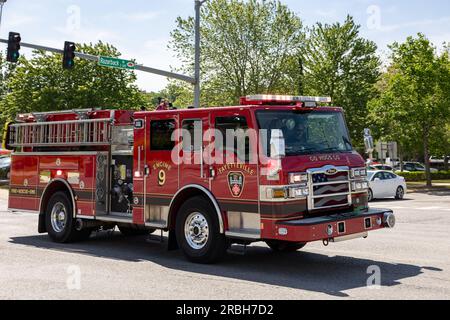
69,55
13,47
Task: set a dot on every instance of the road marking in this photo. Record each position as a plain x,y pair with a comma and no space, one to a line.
430,208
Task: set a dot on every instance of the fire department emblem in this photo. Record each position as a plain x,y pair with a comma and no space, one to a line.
236,183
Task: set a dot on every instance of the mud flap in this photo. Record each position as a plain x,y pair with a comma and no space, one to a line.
172,243
41,224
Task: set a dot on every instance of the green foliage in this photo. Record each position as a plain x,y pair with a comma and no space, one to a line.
247,47
338,62
413,106
421,176
40,84
177,92
253,46
6,72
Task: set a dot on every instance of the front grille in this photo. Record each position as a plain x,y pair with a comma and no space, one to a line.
330,190
328,202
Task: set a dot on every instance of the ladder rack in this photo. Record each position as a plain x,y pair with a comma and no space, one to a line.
74,133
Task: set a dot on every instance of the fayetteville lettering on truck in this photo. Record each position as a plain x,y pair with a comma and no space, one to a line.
279,169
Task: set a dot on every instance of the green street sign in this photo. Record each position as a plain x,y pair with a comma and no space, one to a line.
116,63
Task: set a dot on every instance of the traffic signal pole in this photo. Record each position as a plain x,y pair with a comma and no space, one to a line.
192,80
198,5
96,58
1,13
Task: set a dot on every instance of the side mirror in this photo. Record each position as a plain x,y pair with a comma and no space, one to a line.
277,144
377,179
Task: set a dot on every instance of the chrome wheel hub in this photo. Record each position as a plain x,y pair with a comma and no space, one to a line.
58,217
196,230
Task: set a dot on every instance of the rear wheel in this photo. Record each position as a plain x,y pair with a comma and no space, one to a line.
198,232
284,246
60,223
400,193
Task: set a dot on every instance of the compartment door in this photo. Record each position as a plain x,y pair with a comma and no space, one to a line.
162,174
235,184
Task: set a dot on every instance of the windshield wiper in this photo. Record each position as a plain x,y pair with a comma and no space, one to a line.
347,142
296,151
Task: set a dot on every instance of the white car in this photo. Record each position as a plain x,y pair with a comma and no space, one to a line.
386,184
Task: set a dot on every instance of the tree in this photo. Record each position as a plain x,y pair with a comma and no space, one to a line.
40,84
180,94
415,103
6,72
338,62
247,47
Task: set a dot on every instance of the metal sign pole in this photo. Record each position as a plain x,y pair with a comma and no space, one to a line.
2,2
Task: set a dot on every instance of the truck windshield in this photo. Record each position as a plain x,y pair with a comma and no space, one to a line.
306,132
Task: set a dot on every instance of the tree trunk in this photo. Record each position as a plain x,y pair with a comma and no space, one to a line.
446,159
301,88
400,156
426,152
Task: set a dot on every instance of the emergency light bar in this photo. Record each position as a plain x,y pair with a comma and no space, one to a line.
282,99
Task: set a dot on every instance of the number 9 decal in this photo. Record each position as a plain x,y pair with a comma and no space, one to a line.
162,178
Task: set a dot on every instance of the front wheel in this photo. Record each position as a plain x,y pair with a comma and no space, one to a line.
284,246
60,223
198,232
370,196
400,193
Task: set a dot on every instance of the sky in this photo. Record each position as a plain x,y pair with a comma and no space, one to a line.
140,29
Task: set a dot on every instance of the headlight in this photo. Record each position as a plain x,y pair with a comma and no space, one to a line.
298,178
359,173
299,192
360,185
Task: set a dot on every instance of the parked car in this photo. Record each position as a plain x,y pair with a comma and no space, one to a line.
440,162
414,167
378,167
386,184
5,167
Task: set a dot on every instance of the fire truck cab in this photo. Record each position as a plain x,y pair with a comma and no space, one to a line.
279,169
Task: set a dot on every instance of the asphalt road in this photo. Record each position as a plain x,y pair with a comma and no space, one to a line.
413,261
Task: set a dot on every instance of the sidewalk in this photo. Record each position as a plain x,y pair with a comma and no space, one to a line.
438,187
4,193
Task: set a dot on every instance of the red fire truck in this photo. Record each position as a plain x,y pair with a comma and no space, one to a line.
87,170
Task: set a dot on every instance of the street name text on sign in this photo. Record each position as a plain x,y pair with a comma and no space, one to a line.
116,63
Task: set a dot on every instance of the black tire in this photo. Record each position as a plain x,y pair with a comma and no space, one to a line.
400,193
134,231
370,196
215,244
284,246
67,232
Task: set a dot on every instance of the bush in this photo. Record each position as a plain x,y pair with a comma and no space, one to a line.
420,176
